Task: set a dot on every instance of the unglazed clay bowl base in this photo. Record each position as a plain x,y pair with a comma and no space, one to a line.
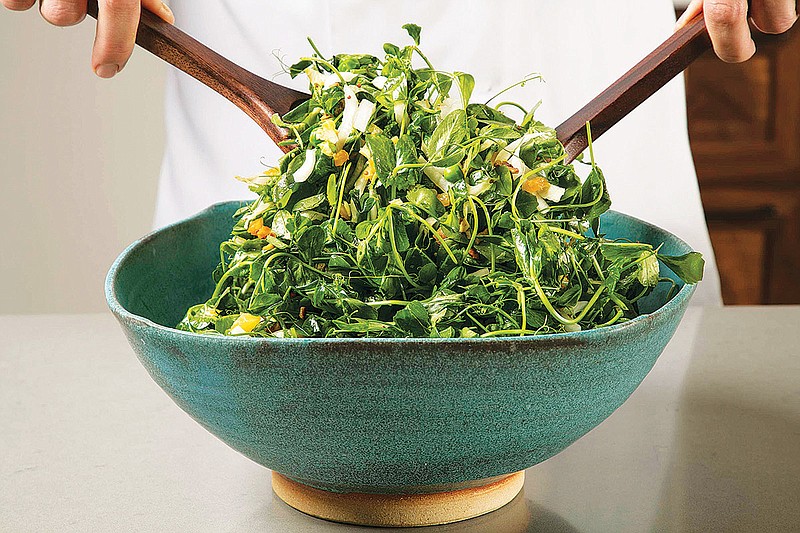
398,510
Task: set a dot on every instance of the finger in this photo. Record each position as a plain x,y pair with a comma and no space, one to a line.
774,16
117,21
18,5
692,10
727,25
63,12
159,8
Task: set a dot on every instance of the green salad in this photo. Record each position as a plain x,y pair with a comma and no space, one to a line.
405,210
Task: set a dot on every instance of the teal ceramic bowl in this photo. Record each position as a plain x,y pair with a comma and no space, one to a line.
380,415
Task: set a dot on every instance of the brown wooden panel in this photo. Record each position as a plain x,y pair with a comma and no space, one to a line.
732,102
743,246
744,120
743,283
756,237
744,127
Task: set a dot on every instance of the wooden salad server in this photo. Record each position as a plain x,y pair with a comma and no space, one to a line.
261,98
254,95
635,86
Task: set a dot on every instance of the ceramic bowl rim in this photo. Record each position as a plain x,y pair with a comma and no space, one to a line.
119,310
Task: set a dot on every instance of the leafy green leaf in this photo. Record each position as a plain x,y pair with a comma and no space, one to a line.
427,274
446,138
299,67
426,200
526,252
624,251
355,62
283,224
594,195
413,320
310,202
648,269
505,184
391,49
549,242
689,267
406,154
414,31
223,324
310,242
466,84
383,155
401,237
486,114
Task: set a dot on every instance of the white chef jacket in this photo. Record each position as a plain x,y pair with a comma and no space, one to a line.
578,47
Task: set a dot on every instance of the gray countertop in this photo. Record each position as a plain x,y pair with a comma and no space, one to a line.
709,442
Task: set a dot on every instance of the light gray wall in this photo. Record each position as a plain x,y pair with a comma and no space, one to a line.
79,160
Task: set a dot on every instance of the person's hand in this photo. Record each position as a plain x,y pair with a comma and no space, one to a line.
117,21
727,23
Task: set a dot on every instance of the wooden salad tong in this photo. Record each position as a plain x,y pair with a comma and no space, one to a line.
254,95
635,86
261,98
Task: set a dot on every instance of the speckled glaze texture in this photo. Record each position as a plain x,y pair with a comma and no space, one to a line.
381,416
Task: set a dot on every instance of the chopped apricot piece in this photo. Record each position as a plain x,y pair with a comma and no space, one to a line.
264,232
340,158
537,185
255,226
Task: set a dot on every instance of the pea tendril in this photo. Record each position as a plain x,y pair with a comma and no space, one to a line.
404,210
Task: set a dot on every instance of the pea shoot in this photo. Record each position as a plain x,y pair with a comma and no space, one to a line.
405,210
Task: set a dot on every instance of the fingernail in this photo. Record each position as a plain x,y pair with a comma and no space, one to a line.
107,71
169,16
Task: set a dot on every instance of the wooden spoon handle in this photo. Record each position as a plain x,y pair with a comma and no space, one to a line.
636,86
257,97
